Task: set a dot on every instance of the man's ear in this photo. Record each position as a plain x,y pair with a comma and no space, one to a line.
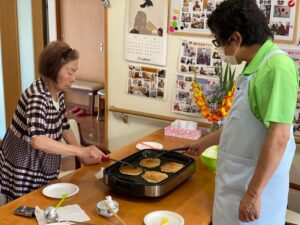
237,37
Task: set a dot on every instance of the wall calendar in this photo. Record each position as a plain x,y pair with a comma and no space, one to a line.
146,31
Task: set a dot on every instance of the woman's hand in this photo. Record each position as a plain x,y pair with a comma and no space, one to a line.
250,206
91,155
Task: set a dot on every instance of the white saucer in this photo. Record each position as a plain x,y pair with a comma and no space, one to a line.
149,145
58,189
155,218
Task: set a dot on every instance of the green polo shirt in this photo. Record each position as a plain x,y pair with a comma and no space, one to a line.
273,90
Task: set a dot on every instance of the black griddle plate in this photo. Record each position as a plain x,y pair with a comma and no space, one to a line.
136,185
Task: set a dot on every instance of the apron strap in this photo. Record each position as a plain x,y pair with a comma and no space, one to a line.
269,55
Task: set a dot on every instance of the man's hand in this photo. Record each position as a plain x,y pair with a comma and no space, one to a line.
198,146
250,207
195,147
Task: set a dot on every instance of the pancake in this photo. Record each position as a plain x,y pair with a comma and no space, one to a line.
131,170
154,176
171,167
150,162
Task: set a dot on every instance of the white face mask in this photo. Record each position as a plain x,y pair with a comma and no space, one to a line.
231,59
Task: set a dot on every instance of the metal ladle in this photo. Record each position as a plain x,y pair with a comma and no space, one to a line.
50,212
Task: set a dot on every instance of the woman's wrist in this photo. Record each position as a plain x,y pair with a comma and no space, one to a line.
79,152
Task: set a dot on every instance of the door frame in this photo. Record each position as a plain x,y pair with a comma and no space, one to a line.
10,56
11,53
104,38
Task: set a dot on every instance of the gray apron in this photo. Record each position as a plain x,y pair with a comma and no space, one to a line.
241,143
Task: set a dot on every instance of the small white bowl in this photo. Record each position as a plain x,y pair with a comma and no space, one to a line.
102,210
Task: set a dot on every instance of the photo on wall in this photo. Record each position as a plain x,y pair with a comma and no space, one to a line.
190,16
148,82
183,96
281,17
199,57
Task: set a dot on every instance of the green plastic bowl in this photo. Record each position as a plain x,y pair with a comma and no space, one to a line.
209,157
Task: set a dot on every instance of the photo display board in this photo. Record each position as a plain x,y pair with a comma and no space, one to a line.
183,96
200,57
147,82
189,17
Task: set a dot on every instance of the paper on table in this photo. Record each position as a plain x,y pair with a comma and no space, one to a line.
72,212
69,212
99,175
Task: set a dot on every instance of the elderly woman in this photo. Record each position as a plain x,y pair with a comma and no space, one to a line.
30,153
256,143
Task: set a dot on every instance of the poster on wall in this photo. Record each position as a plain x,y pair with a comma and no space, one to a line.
295,55
183,96
148,82
146,31
199,57
189,17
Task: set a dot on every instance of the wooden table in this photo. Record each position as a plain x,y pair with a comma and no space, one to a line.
193,199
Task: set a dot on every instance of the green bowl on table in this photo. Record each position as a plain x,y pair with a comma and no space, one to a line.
209,157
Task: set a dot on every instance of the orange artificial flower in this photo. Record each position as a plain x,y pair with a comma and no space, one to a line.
220,112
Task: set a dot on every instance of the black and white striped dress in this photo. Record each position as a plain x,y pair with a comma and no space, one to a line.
24,168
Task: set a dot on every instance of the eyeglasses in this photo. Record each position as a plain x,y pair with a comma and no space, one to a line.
217,44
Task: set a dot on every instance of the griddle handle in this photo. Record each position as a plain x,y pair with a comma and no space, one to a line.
108,159
123,183
178,149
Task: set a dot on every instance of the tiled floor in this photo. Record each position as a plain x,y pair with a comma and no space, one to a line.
92,131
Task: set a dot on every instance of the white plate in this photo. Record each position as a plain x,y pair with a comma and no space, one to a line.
149,145
155,218
60,223
58,189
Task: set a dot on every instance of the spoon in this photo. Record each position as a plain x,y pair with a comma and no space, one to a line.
164,221
50,212
72,221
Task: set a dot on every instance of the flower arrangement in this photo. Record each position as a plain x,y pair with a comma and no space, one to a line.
214,102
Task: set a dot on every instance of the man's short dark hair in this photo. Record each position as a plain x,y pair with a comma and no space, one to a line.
53,57
243,16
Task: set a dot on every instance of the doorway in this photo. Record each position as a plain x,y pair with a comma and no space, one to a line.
82,24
